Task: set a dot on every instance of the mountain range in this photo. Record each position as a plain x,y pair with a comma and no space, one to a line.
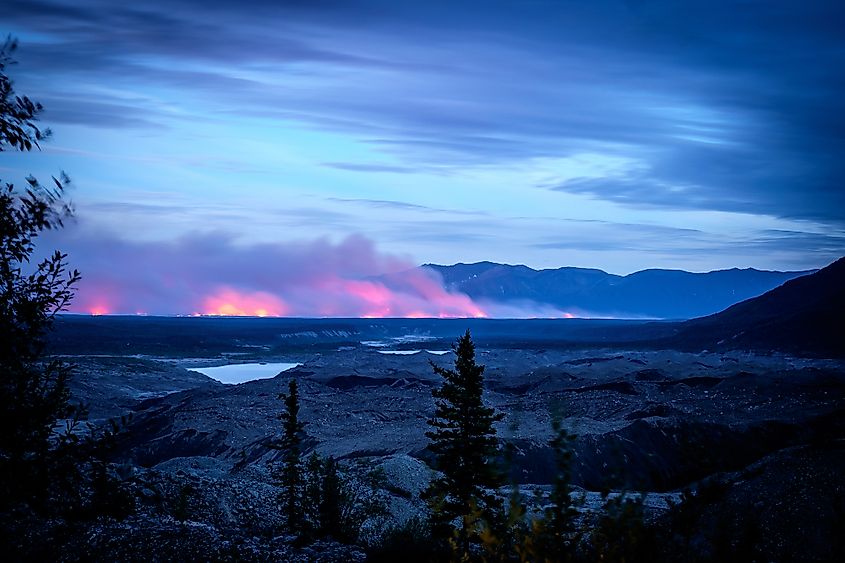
654,293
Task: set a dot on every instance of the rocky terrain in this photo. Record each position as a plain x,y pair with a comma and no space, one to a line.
112,386
653,421
363,403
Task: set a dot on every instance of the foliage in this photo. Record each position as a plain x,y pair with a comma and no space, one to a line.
317,500
331,503
341,504
54,465
464,442
34,392
685,514
312,489
556,535
620,533
18,114
289,476
697,531
409,542
501,543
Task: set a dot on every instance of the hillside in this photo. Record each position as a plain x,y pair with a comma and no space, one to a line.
805,315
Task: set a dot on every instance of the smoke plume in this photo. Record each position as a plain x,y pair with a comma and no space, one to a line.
212,274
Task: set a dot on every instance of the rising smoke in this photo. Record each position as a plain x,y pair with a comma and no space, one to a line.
213,274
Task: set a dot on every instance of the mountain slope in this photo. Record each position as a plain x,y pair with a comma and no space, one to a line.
804,315
648,293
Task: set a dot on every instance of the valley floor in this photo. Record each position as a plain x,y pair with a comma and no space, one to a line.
765,427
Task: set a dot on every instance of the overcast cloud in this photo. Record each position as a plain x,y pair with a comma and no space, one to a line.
695,134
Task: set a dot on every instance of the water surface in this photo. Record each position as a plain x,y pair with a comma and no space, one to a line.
233,374
411,352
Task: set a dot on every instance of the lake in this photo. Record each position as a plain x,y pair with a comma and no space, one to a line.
411,352
233,374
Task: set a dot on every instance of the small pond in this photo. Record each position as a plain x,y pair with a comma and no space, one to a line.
410,352
233,374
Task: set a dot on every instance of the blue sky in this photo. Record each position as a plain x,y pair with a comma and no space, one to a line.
616,135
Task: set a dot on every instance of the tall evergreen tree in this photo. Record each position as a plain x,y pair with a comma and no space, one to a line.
464,441
290,475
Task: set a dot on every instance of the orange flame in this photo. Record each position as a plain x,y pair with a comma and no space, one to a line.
231,303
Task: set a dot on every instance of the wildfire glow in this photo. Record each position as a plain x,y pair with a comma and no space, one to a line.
419,297
205,275
232,303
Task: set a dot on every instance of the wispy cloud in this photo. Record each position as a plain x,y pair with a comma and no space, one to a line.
356,167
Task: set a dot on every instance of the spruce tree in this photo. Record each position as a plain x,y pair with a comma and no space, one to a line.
290,475
312,492
338,505
464,442
331,501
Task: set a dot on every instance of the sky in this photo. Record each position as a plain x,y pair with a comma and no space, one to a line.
619,135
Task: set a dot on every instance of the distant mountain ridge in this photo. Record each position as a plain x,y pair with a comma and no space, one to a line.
653,293
803,316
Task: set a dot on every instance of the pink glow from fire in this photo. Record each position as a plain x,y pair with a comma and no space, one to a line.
374,299
214,275
232,303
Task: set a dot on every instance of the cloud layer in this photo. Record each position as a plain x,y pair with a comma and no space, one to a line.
693,107
716,100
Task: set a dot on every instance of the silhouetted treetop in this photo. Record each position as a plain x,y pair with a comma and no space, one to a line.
18,114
